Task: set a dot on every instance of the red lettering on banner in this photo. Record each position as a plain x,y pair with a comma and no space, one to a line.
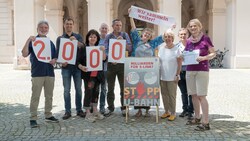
120,51
91,58
41,49
71,45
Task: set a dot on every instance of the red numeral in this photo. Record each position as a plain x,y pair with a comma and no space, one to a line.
41,49
91,58
71,45
120,51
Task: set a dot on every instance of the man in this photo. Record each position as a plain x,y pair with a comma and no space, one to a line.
42,74
103,32
69,70
116,69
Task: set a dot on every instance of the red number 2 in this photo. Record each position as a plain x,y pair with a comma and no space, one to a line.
41,50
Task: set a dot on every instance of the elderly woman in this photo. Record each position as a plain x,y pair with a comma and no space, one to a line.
197,75
170,60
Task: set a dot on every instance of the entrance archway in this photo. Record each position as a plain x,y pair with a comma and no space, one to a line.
78,10
191,9
122,13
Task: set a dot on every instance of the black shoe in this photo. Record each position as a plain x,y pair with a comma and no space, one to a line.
183,114
51,119
102,111
33,124
81,114
190,116
66,116
107,113
124,113
91,110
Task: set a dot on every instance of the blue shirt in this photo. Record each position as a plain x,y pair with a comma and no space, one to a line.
41,69
78,38
141,49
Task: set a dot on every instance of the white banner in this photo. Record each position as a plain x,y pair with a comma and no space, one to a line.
151,17
117,50
42,49
94,58
67,51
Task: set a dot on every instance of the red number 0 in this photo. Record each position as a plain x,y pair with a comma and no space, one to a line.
41,49
71,51
91,58
120,51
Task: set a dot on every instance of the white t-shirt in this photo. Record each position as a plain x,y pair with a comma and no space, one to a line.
168,60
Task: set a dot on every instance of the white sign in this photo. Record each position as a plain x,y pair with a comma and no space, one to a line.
67,51
42,49
94,58
190,57
117,50
151,17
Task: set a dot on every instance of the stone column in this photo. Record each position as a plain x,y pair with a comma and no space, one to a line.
55,19
217,22
54,15
171,8
24,26
93,13
237,33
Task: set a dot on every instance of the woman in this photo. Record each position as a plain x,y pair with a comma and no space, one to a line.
91,79
198,74
143,46
187,104
170,60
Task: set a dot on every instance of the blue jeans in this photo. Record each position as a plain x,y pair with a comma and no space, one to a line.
187,104
103,91
66,75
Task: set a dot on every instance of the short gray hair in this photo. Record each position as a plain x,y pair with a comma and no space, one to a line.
43,22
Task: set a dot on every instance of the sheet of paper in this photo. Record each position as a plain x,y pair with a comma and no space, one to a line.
190,57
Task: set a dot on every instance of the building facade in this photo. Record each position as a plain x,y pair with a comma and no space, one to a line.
225,21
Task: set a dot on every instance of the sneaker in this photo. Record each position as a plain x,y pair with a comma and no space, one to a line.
171,117
124,113
107,113
147,114
165,115
98,115
51,119
202,127
183,114
190,116
81,114
33,124
90,118
194,121
66,116
91,109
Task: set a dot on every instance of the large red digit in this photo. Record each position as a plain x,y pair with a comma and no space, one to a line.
91,58
71,45
41,49
120,51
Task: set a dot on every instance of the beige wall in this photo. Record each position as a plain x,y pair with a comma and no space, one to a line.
6,31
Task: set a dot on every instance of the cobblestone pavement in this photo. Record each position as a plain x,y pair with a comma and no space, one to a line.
229,96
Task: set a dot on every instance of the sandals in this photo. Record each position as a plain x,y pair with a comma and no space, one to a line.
138,114
202,127
194,121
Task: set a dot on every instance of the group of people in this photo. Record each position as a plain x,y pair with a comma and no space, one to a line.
191,79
